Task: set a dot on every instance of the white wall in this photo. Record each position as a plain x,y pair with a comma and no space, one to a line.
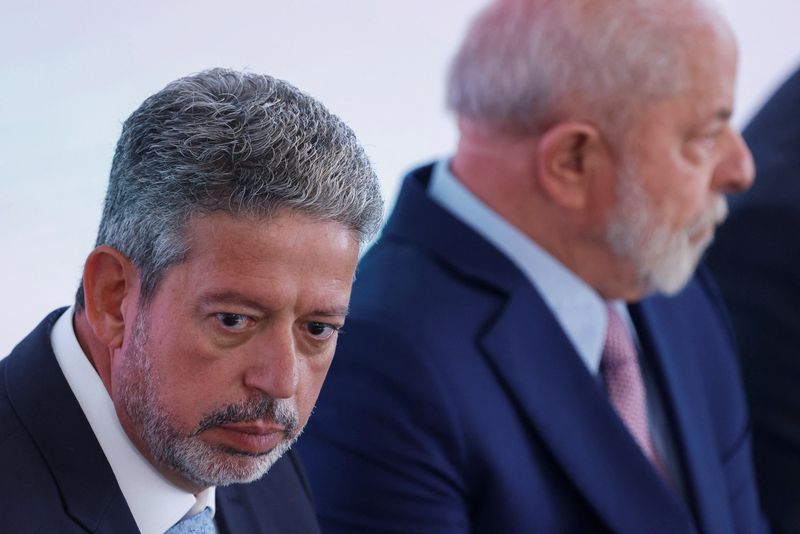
72,72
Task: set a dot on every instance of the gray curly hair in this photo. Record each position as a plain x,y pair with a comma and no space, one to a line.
241,143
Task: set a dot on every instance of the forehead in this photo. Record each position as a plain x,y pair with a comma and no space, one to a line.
706,93
288,256
711,58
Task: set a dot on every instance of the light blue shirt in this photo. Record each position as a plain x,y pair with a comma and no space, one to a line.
155,503
577,307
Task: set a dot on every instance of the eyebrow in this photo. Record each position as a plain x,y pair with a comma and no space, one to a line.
232,297
338,311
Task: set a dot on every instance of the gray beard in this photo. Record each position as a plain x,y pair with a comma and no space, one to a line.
185,453
664,262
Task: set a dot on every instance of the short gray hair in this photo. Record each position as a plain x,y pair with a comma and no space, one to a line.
524,62
241,143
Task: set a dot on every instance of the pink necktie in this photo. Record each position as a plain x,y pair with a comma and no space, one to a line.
620,368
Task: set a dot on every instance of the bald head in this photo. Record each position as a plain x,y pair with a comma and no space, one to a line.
528,64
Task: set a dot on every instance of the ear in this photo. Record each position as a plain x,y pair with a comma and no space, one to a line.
570,154
109,280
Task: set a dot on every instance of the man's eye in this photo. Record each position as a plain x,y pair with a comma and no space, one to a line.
233,321
321,330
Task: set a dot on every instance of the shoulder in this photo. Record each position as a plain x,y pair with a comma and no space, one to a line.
9,422
14,439
48,454
16,443
29,495
412,291
413,330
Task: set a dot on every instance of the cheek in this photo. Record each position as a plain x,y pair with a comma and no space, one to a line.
185,359
695,206
696,180
125,376
683,204
186,386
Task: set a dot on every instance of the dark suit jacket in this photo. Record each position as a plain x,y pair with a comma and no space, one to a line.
457,404
54,477
756,259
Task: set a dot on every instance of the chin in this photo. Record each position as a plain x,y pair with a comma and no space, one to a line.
675,265
207,465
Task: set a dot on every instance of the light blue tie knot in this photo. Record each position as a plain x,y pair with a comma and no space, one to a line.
202,523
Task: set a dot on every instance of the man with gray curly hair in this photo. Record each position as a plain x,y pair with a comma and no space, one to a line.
529,347
204,326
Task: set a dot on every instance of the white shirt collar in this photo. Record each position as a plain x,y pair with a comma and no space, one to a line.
155,503
578,308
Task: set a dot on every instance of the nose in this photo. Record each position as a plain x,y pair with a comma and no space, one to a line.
272,365
736,171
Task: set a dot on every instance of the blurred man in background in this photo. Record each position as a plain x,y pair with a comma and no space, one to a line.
529,347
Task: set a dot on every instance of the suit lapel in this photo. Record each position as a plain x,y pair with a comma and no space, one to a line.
237,511
52,416
570,411
278,502
540,369
674,358
232,515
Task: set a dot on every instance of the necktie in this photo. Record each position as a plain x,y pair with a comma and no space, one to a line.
620,368
202,523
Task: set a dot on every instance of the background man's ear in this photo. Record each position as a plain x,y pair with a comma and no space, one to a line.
570,154
109,278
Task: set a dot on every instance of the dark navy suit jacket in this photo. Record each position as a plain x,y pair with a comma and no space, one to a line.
54,477
756,259
457,404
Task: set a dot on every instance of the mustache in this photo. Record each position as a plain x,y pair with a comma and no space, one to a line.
714,216
276,411
720,210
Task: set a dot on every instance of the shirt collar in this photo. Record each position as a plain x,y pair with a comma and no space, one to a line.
577,307
155,503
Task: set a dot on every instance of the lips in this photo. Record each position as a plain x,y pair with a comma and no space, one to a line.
254,427
251,437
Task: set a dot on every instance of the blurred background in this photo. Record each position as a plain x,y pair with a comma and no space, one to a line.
73,71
